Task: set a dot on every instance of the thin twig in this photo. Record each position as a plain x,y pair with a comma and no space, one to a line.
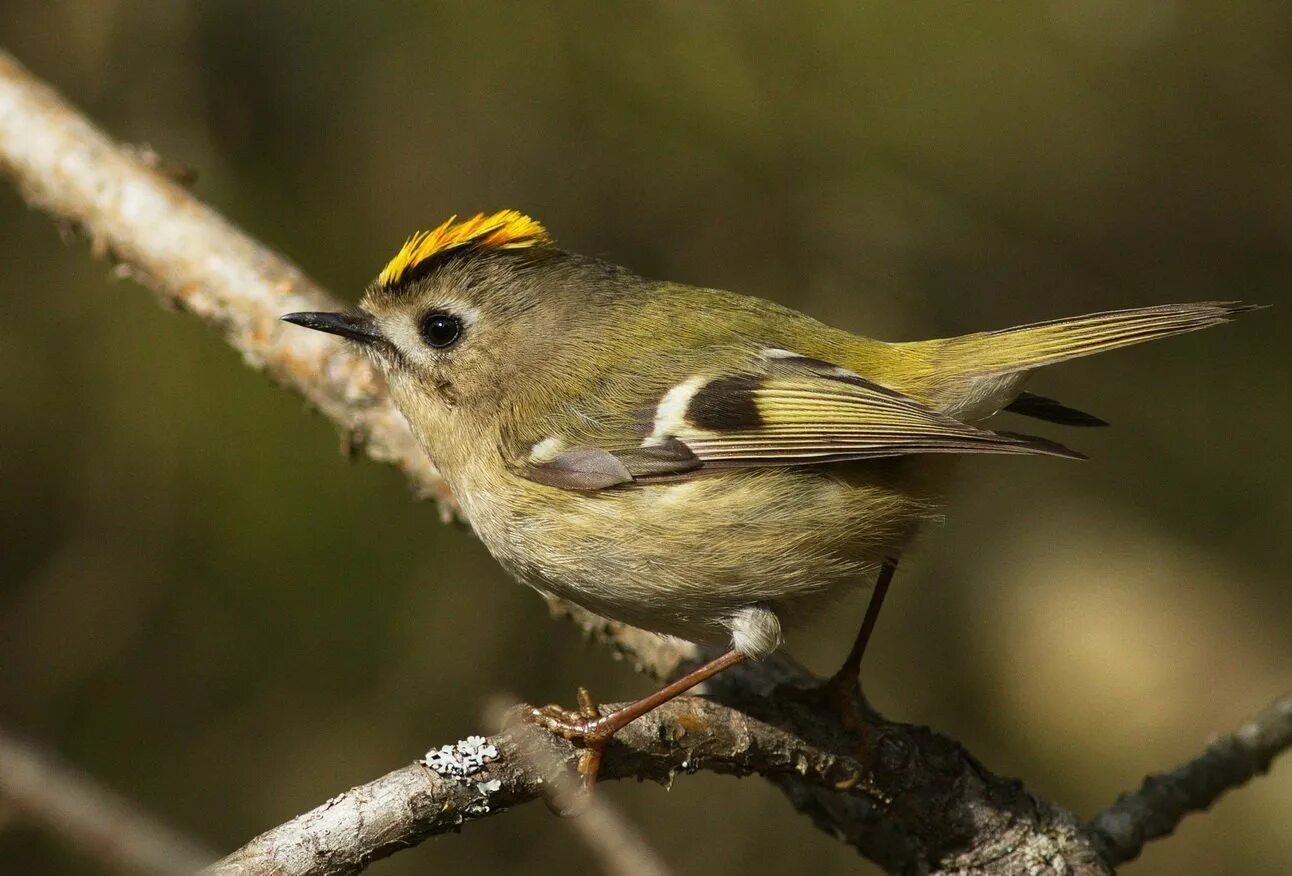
104,825
1163,801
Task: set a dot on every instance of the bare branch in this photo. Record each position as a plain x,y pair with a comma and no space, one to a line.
196,260
105,826
856,779
1162,802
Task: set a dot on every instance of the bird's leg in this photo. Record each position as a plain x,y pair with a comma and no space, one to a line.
843,688
594,731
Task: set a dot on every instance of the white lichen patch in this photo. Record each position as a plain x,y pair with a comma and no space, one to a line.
463,758
466,758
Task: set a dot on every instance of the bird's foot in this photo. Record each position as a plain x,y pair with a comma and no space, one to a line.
584,725
840,694
843,692
587,726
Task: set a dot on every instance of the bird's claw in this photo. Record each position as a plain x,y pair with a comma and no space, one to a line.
841,694
577,724
583,725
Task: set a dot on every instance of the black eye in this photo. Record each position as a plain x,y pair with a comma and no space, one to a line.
441,329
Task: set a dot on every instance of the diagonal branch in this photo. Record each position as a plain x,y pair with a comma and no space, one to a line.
108,828
197,261
439,795
905,797
855,778
1162,802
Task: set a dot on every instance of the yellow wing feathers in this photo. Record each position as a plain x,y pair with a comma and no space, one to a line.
793,411
798,415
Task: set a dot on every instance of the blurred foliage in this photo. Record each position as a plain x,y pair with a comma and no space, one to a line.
204,605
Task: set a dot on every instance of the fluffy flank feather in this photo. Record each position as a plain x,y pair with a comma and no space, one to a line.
506,229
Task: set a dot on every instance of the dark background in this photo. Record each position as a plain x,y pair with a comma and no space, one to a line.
205,606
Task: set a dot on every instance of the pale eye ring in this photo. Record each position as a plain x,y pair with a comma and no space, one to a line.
440,329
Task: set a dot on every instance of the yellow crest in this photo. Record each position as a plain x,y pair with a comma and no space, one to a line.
506,229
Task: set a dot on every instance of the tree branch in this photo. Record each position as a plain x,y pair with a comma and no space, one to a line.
905,797
1162,802
197,261
853,777
99,822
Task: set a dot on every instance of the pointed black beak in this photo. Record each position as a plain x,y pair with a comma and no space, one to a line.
357,326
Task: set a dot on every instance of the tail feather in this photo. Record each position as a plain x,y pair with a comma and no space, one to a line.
974,376
1025,347
1029,404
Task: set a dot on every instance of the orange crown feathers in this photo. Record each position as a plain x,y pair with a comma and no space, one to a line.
506,229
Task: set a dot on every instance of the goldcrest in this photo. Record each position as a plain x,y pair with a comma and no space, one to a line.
691,461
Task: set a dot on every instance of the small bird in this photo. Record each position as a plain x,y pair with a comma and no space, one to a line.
691,461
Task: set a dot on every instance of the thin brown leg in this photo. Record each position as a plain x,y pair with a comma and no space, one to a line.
851,667
595,732
842,691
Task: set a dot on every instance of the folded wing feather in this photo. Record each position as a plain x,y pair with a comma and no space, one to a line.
786,410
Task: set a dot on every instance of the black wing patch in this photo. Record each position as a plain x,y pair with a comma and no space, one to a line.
726,404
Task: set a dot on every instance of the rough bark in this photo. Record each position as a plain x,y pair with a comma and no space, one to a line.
1163,801
910,799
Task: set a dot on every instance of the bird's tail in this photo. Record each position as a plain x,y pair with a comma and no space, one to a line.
981,373
1025,347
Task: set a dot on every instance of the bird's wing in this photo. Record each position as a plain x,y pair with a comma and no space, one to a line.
782,410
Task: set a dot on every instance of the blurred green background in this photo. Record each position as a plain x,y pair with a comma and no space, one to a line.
204,605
